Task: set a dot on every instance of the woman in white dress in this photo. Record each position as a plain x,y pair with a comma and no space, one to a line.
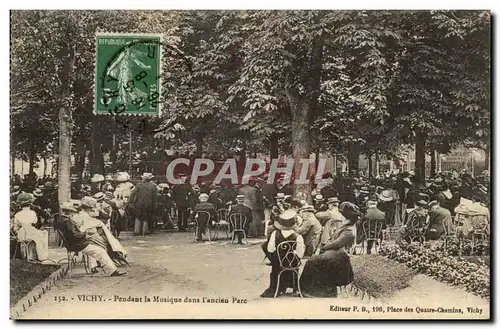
25,231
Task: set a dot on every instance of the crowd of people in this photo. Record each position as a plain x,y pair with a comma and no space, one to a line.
322,224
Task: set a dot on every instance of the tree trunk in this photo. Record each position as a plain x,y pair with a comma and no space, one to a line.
300,135
487,157
273,146
80,156
377,165
113,152
370,165
65,123
12,163
199,145
316,160
433,162
96,157
31,155
420,156
353,157
44,166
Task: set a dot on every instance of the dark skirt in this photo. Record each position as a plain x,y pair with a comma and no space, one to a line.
326,271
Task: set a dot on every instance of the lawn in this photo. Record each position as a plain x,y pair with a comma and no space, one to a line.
379,276
24,276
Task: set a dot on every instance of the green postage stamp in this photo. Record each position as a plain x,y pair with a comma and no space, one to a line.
128,74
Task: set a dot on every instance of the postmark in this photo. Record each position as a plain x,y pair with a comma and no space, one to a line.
128,74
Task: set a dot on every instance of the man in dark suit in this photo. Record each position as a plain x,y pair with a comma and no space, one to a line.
240,208
143,199
180,195
438,216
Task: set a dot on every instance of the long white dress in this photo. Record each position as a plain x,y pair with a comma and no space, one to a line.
23,225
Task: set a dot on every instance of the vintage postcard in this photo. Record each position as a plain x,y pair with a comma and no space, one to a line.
292,164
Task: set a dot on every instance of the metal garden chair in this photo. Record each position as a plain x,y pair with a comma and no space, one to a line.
481,231
289,262
416,227
197,221
373,233
238,222
72,254
222,223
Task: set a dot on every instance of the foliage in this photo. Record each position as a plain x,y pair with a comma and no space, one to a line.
438,263
380,277
243,79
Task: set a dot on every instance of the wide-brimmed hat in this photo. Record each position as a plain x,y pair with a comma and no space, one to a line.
37,192
280,196
333,199
147,175
350,211
422,203
122,177
96,178
386,196
68,206
307,207
286,220
433,203
240,197
99,196
77,204
203,197
24,199
88,202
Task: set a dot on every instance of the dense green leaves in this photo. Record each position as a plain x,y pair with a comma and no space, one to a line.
240,79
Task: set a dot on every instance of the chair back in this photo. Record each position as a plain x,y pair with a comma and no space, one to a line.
160,207
416,225
201,214
114,216
62,238
14,207
373,229
59,219
222,214
287,257
449,228
238,221
480,224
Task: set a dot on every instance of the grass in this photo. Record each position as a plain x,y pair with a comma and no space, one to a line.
380,277
24,276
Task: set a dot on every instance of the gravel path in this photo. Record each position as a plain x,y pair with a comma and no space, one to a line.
185,277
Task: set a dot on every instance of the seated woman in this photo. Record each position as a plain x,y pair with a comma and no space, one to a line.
98,233
331,268
24,229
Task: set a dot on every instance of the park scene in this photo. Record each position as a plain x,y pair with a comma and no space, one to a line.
281,164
